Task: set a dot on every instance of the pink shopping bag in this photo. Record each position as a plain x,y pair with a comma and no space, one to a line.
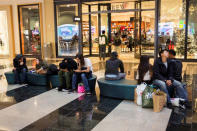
81,88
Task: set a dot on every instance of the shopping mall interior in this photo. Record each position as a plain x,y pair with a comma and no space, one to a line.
51,30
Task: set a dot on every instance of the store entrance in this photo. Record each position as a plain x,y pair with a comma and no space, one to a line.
132,22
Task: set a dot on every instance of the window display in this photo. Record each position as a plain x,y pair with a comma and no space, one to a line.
67,30
30,34
4,41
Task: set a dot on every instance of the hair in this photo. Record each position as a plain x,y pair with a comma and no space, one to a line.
81,57
172,52
63,65
103,32
143,67
162,51
114,55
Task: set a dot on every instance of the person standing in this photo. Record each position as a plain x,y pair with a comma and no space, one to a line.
103,42
117,43
20,69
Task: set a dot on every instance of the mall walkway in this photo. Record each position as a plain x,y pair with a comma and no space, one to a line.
35,108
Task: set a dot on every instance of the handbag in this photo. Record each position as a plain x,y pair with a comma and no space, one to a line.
81,88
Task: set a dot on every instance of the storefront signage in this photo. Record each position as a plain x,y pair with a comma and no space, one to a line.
119,6
77,19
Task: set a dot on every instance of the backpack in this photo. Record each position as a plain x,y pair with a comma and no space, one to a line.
117,42
102,40
52,70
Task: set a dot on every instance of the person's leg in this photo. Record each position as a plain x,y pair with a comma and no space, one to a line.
85,82
104,52
122,75
61,79
100,52
74,81
180,91
68,80
16,75
163,87
22,75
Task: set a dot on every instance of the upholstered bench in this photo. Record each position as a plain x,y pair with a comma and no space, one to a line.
36,79
122,89
10,77
54,79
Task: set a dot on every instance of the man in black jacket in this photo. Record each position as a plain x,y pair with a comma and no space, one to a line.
176,75
112,68
163,75
20,69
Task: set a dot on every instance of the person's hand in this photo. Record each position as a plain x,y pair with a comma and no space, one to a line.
14,68
21,63
77,70
169,82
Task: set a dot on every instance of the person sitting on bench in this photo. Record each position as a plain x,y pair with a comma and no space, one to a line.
83,71
20,69
145,71
112,68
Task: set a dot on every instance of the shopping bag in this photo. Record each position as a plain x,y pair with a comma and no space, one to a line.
139,91
81,88
159,101
135,96
147,97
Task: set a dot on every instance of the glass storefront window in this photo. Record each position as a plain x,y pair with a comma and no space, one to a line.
192,31
67,30
4,41
172,26
30,34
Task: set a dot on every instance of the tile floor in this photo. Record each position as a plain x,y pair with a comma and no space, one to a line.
34,108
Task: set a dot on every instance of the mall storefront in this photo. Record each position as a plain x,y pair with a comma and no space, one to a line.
150,23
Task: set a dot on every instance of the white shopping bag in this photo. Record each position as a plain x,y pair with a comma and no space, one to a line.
139,90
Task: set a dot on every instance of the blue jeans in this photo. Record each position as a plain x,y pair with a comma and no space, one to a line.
180,91
20,76
84,80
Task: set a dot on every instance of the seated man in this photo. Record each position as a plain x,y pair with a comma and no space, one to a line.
112,68
65,74
162,75
176,75
20,69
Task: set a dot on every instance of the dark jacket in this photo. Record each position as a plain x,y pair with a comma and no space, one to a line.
17,65
160,72
113,65
176,68
71,64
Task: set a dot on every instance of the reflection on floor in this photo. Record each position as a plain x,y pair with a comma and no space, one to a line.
85,112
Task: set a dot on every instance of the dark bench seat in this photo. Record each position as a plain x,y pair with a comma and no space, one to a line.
10,77
122,89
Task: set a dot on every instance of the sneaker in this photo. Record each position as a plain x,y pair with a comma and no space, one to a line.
88,93
71,90
64,90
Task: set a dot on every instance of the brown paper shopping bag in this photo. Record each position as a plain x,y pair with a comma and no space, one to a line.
159,101
135,96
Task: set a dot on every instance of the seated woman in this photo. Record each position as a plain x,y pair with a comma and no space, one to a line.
20,69
41,66
65,74
145,72
112,68
83,71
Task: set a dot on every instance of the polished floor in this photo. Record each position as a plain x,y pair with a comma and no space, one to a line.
37,108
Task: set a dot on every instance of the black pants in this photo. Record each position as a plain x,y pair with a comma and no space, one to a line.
102,51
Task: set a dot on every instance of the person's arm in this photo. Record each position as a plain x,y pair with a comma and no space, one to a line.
106,39
171,70
156,72
121,67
